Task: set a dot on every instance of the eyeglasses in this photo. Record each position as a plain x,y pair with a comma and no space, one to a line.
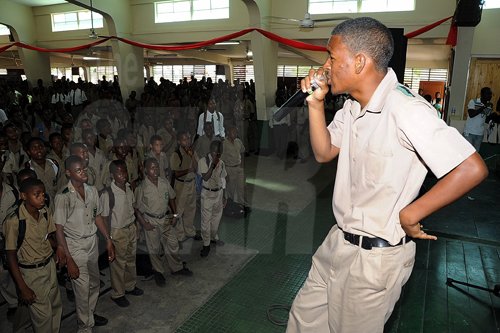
79,171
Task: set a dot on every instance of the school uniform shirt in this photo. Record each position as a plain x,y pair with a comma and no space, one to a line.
105,144
219,174
231,155
98,162
14,161
153,199
58,97
215,118
7,202
202,145
177,163
163,162
132,170
122,214
75,214
76,97
36,246
169,141
49,175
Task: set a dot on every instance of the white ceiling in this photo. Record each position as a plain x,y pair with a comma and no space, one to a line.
37,3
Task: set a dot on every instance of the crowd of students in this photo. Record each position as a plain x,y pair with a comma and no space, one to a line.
75,159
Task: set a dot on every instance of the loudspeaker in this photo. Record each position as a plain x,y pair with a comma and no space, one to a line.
398,60
220,70
75,70
468,13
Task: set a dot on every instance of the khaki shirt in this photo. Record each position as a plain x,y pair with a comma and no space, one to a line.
132,170
75,214
122,214
176,165
231,154
98,162
15,161
35,247
59,160
384,150
7,203
105,145
49,175
169,140
202,145
218,178
153,199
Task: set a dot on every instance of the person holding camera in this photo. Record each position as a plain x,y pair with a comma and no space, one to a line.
478,109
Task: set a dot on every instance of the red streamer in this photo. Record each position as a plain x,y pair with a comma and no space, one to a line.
426,28
452,35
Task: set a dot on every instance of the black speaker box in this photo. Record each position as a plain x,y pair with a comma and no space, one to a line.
220,70
75,70
398,60
468,13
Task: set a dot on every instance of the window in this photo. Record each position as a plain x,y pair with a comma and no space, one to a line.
243,72
4,30
59,72
359,6
3,71
176,73
76,20
191,10
413,76
96,73
489,4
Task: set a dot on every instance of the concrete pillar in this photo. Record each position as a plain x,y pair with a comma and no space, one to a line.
130,65
228,70
458,87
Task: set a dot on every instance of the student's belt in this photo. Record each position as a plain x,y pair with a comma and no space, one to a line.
185,180
368,243
38,265
156,216
212,189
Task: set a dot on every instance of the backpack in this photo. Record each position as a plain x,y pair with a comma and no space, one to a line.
111,197
20,234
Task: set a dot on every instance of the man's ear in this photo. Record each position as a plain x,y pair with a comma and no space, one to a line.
67,172
23,196
359,62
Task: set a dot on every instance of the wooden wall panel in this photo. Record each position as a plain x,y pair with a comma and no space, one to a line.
483,73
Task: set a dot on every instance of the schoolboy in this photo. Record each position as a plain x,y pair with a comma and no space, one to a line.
118,207
121,152
16,154
77,217
31,263
56,149
46,169
152,198
67,137
79,149
104,139
183,164
213,172
97,159
156,151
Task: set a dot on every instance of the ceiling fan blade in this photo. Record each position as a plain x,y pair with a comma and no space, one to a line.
282,18
332,19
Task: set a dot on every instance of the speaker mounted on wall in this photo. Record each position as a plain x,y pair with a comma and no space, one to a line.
468,13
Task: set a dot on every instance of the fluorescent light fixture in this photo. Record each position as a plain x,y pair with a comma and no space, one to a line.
91,58
229,42
249,54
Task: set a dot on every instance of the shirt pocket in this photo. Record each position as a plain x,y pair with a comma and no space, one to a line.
378,166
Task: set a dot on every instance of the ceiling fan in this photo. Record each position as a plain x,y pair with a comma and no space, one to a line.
307,21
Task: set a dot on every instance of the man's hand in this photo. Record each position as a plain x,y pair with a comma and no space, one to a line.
411,228
27,295
73,271
148,226
111,250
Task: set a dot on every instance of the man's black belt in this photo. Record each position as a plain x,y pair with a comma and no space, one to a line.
368,243
156,216
185,180
212,189
40,264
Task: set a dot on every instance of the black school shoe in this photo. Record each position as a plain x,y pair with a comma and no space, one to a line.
122,302
159,279
205,251
135,292
99,320
183,271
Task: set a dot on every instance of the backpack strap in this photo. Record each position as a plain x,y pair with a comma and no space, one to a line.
21,230
111,197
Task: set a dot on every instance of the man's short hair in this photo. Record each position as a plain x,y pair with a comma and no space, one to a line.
25,173
76,145
29,183
114,165
216,146
365,34
33,140
155,138
150,160
54,135
73,159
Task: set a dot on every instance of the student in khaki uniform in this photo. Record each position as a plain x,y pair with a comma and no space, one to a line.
104,139
77,217
121,150
202,144
46,170
8,203
152,197
212,170
167,132
156,151
97,159
183,163
118,208
79,149
31,264
56,149
16,154
233,149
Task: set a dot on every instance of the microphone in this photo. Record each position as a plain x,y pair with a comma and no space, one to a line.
296,100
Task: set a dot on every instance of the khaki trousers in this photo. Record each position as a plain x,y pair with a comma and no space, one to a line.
86,288
46,311
162,241
8,288
186,208
236,184
350,289
211,213
123,270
